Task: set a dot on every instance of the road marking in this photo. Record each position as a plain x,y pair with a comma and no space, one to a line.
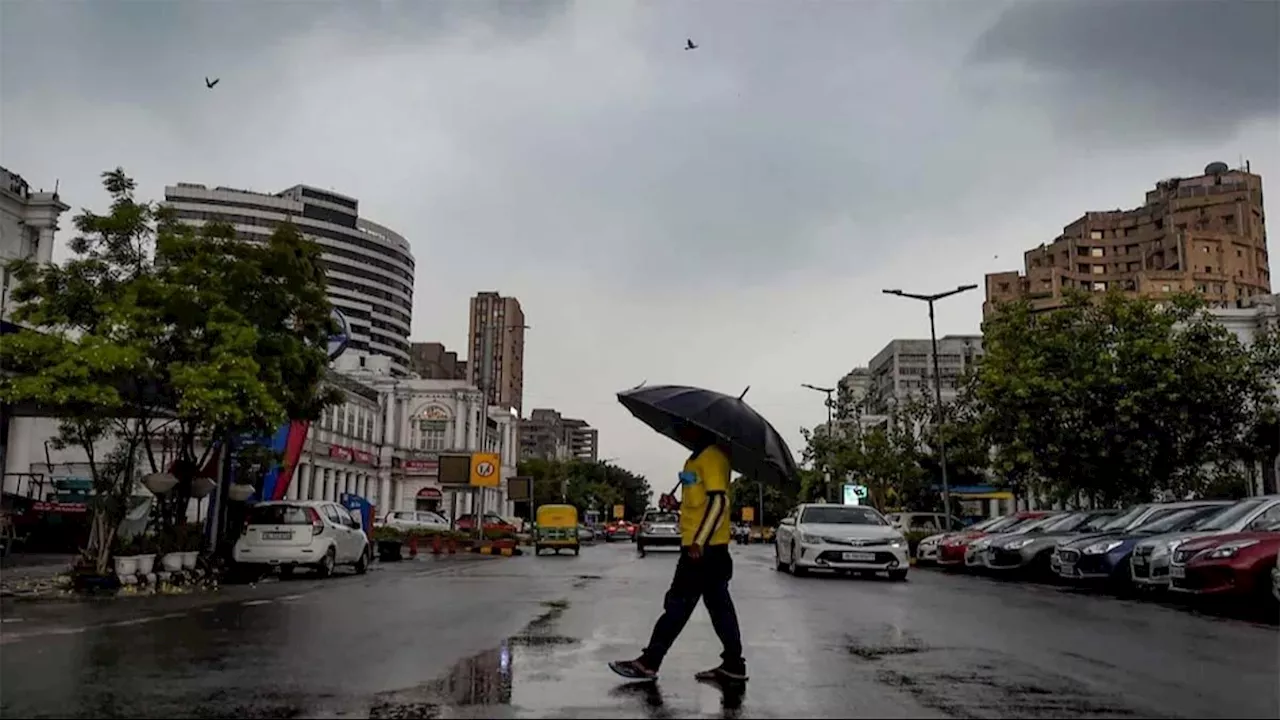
251,603
10,620
290,598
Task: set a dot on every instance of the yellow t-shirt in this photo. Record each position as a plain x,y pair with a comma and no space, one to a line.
704,499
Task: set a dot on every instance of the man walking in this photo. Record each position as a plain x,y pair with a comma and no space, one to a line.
704,568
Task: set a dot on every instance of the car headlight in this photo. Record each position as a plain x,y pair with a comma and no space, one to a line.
806,539
1103,547
897,542
1230,549
1019,544
1167,548
980,544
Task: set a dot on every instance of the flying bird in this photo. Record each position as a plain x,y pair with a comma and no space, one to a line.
210,83
688,45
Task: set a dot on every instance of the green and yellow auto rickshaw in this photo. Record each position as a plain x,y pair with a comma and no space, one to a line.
557,529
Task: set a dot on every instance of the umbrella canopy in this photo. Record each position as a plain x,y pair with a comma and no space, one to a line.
755,448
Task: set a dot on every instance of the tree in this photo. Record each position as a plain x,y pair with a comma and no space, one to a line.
157,326
587,485
1117,398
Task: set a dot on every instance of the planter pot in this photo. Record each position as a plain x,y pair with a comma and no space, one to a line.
389,550
189,559
159,483
171,562
145,563
239,492
201,487
125,566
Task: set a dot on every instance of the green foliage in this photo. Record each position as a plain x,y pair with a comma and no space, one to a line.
587,485
156,325
1116,398
778,501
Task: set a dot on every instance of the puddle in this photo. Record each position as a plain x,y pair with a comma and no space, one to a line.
888,641
963,687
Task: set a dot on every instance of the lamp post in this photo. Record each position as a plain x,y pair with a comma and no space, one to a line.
826,465
937,382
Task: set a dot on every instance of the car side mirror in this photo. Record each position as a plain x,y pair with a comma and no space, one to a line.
787,521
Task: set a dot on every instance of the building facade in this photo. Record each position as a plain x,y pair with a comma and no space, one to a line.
496,339
369,268
424,418
1204,234
904,369
433,361
28,222
548,435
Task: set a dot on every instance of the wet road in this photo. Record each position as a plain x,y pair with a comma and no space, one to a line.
529,637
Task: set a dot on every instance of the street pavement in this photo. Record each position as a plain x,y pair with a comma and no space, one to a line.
530,637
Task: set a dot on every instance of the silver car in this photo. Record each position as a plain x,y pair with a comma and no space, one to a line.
659,528
1150,560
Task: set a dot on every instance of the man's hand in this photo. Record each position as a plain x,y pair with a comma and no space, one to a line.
695,551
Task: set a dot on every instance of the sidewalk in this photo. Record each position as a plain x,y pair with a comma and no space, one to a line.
25,575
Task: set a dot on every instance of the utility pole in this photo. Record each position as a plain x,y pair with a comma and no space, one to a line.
937,384
826,464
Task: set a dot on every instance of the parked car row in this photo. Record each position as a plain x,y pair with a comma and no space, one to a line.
1194,547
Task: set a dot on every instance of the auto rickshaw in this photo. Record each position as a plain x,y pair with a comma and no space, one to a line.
557,529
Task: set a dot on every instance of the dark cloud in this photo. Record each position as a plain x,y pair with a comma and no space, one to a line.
1168,68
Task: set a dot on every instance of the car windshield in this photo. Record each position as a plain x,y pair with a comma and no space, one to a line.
278,515
661,518
1157,516
842,515
1070,521
988,523
1123,519
1181,519
427,516
1095,522
1230,515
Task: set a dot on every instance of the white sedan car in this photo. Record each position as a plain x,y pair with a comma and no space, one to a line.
313,534
407,520
848,538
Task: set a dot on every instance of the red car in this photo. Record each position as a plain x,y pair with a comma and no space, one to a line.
619,530
1235,564
493,523
951,550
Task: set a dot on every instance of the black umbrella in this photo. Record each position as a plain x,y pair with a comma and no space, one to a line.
755,447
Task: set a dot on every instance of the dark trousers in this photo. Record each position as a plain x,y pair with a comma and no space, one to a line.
706,578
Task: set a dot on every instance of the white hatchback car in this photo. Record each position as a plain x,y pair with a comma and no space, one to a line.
850,538
307,533
415,520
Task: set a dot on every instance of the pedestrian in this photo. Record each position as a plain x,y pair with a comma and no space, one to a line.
704,568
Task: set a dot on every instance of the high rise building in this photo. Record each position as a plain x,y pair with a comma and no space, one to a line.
548,435
369,268
1203,234
496,340
432,361
28,221
904,368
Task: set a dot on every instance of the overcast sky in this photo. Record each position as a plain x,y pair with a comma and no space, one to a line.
723,217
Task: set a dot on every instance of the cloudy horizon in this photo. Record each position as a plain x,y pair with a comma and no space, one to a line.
724,217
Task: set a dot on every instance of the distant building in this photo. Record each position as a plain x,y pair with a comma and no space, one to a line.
28,221
548,435
496,328
432,360
1203,234
369,268
904,369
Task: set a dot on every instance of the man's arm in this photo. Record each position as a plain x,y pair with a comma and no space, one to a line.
717,506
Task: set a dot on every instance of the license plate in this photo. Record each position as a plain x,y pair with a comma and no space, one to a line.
1067,569
277,536
858,557
1177,572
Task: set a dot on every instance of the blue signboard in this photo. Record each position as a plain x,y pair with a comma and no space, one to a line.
356,502
338,342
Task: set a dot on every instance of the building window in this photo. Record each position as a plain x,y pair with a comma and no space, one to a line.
1099,269
432,434
351,422
1095,234
1095,252
1165,288
1099,287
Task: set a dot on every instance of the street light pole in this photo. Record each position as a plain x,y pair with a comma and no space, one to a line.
826,464
937,384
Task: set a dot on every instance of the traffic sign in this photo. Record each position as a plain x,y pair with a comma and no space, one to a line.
748,514
619,512
853,494
484,470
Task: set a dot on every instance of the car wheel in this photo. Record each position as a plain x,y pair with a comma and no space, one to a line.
792,566
325,568
898,575
575,552
362,565
777,559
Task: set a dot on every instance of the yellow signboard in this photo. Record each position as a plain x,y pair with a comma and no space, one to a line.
748,514
484,470
619,512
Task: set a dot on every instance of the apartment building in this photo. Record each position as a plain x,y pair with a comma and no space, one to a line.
904,369
548,435
1203,234
432,360
496,339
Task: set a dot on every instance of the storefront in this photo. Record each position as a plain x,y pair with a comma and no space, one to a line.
429,498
